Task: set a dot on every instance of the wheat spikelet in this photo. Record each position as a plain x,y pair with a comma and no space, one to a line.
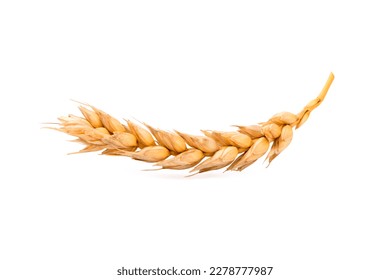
236,150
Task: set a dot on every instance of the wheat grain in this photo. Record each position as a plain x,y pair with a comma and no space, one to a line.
235,150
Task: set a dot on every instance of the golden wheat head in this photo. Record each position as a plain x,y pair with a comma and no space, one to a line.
236,150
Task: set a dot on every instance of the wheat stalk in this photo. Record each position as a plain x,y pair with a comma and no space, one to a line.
235,150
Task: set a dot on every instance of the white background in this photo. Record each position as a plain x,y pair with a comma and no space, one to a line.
320,211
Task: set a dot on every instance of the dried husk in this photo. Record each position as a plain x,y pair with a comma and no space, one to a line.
185,160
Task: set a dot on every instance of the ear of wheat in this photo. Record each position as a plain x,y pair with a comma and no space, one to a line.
236,150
